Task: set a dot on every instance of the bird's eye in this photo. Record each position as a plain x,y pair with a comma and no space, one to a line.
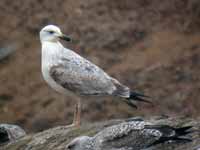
51,32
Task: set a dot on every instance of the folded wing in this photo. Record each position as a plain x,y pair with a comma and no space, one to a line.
81,76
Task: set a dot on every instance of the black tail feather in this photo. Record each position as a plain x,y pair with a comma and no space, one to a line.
184,140
131,103
183,130
138,94
134,96
167,136
165,139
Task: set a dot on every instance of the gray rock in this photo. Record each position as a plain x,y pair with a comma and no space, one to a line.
57,138
10,133
6,51
197,147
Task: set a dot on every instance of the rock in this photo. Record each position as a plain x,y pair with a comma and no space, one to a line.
6,51
197,148
3,136
10,133
57,138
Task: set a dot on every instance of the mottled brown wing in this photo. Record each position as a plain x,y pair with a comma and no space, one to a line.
82,77
127,134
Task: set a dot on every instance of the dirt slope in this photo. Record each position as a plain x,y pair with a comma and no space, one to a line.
151,46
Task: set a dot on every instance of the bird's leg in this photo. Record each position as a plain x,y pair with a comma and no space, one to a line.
77,114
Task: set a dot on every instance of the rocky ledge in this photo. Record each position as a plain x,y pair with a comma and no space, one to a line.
57,138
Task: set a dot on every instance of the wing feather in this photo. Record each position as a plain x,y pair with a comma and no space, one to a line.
131,134
81,76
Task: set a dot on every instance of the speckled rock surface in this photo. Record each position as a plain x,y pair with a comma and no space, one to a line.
57,138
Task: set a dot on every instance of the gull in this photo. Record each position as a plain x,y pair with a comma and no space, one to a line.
133,135
64,70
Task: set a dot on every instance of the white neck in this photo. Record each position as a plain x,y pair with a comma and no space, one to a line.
51,51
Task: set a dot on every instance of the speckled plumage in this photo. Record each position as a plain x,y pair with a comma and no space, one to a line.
133,135
72,72
64,70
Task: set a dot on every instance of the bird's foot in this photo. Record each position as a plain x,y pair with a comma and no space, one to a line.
73,125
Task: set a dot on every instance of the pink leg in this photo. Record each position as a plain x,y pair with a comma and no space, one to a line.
77,115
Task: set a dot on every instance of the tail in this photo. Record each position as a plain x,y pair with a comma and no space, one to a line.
134,96
124,91
170,133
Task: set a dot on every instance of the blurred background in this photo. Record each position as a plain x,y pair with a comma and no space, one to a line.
152,46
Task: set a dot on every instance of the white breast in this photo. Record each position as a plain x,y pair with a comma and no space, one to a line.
50,57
